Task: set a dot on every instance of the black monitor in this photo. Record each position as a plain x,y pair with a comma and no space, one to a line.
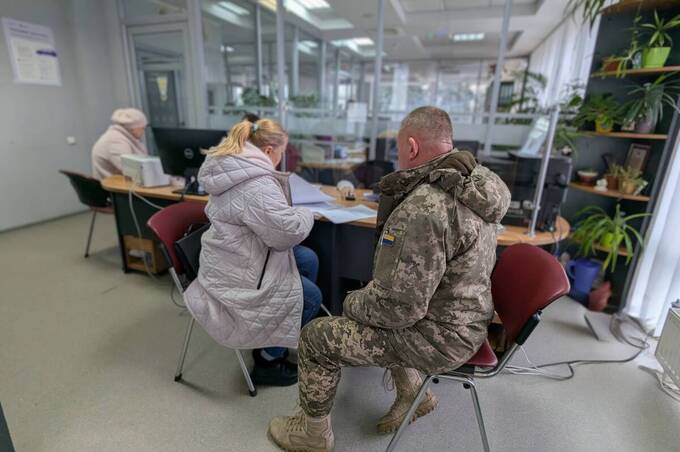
180,151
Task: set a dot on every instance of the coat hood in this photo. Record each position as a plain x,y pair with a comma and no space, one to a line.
220,173
457,173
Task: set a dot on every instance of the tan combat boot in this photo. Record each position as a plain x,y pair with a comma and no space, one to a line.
302,433
407,382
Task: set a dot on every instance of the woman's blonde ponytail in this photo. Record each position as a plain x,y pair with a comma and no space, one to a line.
263,132
234,142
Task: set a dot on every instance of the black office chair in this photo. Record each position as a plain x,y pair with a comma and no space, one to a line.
370,172
90,193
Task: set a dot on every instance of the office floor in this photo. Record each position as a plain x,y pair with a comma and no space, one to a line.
87,356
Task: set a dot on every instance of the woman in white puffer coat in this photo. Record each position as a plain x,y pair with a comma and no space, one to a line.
251,291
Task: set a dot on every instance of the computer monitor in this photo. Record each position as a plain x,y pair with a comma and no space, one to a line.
180,151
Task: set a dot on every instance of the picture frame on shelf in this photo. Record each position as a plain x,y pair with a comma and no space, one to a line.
637,157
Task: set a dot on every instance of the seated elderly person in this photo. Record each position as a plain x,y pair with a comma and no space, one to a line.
124,136
429,304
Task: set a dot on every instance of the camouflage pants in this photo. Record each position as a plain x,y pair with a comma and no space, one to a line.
326,346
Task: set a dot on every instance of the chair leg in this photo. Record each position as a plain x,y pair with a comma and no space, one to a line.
89,236
409,415
251,387
325,309
478,413
187,336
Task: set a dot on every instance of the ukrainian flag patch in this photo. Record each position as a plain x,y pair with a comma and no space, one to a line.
388,239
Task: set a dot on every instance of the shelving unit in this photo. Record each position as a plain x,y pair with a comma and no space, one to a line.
627,135
614,37
609,193
634,72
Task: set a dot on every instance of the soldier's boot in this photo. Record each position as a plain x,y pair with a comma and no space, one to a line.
302,433
407,383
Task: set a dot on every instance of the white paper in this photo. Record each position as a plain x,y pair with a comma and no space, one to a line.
339,214
302,192
32,53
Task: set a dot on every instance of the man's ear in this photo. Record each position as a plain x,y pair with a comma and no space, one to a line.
414,148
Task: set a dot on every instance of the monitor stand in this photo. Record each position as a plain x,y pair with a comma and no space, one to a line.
191,185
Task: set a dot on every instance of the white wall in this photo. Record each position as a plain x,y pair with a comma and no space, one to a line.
35,120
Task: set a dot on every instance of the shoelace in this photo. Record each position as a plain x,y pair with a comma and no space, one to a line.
296,423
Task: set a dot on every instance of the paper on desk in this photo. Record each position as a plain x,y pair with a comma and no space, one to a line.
302,192
338,214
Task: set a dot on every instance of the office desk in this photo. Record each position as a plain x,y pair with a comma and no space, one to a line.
345,250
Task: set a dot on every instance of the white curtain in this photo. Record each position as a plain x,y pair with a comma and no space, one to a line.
564,58
656,282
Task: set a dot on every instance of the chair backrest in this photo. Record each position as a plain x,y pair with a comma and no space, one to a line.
526,280
370,172
172,223
470,146
88,189
188,250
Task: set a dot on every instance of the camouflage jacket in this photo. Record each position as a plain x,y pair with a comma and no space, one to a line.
431,278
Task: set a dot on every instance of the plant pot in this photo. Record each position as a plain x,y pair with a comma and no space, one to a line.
583,273
611,64
587,177
627,186
645,125
610,240
612,182
654,57
604,125
598,298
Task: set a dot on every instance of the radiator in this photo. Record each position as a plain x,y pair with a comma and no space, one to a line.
668,350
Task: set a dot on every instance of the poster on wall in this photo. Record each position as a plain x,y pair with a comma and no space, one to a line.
32,53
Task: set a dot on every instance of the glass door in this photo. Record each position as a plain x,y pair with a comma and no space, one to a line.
162,79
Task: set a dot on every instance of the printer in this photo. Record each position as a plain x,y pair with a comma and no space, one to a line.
520,174
144,170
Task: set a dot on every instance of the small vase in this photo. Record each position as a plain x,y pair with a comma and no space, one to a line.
612,182
655,57
645,125
610,64
604,125
627,187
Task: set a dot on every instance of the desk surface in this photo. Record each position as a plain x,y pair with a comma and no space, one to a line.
510,236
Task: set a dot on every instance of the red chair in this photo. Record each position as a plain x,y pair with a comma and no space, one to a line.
525,281
170,225
90,193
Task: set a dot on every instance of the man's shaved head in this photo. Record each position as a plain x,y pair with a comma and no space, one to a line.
430,123
425,134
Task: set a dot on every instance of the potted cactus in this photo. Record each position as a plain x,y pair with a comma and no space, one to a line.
656,52
612,176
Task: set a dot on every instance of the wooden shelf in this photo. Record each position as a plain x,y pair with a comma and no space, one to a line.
633,72
632,5
622,250
598,247
632,135
610,193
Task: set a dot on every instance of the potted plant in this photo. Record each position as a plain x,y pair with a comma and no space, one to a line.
596,229
602,109
612,175
630,180
646,110
658,47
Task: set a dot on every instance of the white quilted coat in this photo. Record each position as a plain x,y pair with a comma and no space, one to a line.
250,213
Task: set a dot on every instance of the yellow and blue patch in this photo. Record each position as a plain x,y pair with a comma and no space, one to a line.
388,239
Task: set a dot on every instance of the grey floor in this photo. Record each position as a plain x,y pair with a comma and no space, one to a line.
87,356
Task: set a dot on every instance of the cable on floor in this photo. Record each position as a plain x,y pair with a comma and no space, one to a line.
132,193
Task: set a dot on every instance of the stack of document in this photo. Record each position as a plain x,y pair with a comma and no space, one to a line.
304,194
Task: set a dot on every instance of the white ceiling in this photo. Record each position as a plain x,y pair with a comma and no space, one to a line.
413,25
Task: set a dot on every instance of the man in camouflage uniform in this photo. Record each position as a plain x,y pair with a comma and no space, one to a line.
429,304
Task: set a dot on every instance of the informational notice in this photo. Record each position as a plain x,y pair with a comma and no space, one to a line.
32,53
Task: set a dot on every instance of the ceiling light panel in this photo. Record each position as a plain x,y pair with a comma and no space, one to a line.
467,37
364,41
314,4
